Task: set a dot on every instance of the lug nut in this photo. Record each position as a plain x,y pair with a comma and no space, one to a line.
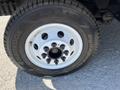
46,49
56,61
63,58
66,52
62,46
44,55
48,60
54,44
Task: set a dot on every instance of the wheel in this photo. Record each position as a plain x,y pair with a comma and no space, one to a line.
51,38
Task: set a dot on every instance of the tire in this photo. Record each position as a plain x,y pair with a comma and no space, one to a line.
37,13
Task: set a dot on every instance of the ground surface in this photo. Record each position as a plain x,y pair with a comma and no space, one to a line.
102,72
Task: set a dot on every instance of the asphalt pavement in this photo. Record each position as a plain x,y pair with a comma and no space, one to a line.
102,72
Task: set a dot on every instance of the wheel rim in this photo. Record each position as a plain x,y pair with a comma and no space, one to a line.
53,46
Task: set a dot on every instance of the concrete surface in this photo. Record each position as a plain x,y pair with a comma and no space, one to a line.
102,72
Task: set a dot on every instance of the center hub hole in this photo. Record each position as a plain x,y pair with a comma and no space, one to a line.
55,53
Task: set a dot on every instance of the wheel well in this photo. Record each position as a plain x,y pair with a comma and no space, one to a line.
97,7
92,5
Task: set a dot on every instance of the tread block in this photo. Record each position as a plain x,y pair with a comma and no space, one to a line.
7,8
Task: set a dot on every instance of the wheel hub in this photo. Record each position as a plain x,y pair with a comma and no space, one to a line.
55,53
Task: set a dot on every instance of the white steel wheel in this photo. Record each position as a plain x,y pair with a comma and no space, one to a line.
53,46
